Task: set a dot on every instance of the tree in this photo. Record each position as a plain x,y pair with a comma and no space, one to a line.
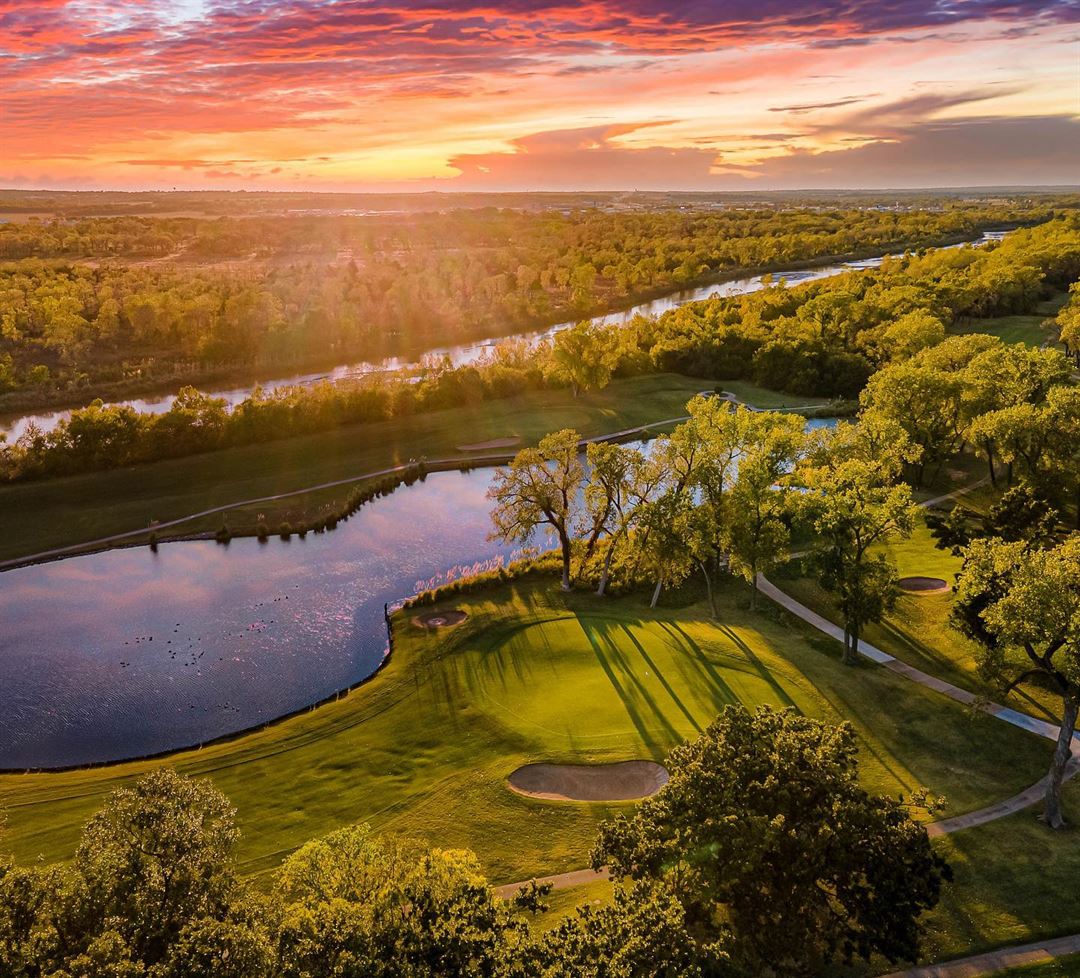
851,511
926,402
642,934
1063,405
1020,434
620,479
582,355
354,904
764,836
757,534
669,539
1019,601
541,488
158,856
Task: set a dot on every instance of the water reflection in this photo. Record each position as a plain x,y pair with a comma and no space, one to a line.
130,652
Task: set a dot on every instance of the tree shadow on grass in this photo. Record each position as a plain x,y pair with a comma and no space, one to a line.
701,663
762,670
662,679
639,702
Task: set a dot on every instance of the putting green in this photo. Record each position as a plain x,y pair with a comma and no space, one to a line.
588,682
534,676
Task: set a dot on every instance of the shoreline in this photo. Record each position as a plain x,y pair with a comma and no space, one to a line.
13,414
402,603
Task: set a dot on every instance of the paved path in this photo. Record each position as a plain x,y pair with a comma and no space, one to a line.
1008,806
471,459
561,881
994,961
1040,727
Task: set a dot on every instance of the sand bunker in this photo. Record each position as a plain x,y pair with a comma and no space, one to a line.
923,585
625,781
494,443
439,619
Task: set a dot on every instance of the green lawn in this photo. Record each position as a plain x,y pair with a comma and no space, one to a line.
917,630
1015,882
425,748
60,512
563,903
1029,330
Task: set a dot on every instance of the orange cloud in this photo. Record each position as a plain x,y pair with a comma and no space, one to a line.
112,92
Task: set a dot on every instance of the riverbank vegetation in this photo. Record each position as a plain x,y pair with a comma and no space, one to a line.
536,674
80,508
99,306
822,339
730,488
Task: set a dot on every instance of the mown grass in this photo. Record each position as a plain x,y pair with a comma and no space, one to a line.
60,512
425,748
564,903
1015,882
918,629
1031,330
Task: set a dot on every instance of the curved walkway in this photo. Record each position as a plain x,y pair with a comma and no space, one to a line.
979,964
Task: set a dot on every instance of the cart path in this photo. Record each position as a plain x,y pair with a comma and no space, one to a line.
470,460
994,961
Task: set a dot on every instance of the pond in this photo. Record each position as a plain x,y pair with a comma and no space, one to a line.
129,652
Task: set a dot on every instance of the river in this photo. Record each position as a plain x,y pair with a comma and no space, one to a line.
14,426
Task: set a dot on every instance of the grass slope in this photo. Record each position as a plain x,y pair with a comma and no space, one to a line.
1031,330
533,675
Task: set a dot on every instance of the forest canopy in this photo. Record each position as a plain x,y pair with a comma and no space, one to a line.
102,305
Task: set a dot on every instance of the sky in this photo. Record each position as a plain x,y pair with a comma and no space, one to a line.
538,94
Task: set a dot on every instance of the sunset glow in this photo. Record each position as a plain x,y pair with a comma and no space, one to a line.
393,94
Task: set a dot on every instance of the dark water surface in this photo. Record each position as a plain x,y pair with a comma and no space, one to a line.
128,652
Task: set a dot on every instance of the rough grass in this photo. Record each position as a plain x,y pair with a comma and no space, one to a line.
1015,882
71,510
533,675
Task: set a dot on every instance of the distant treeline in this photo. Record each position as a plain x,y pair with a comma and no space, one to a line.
134,302
824,338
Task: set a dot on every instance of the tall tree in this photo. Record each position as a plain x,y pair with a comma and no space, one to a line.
757,533
355,904
541,487
620,480
764,834
851,511
1021,602
583,356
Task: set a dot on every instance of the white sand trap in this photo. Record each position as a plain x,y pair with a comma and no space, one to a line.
625,781
494,443
439,619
